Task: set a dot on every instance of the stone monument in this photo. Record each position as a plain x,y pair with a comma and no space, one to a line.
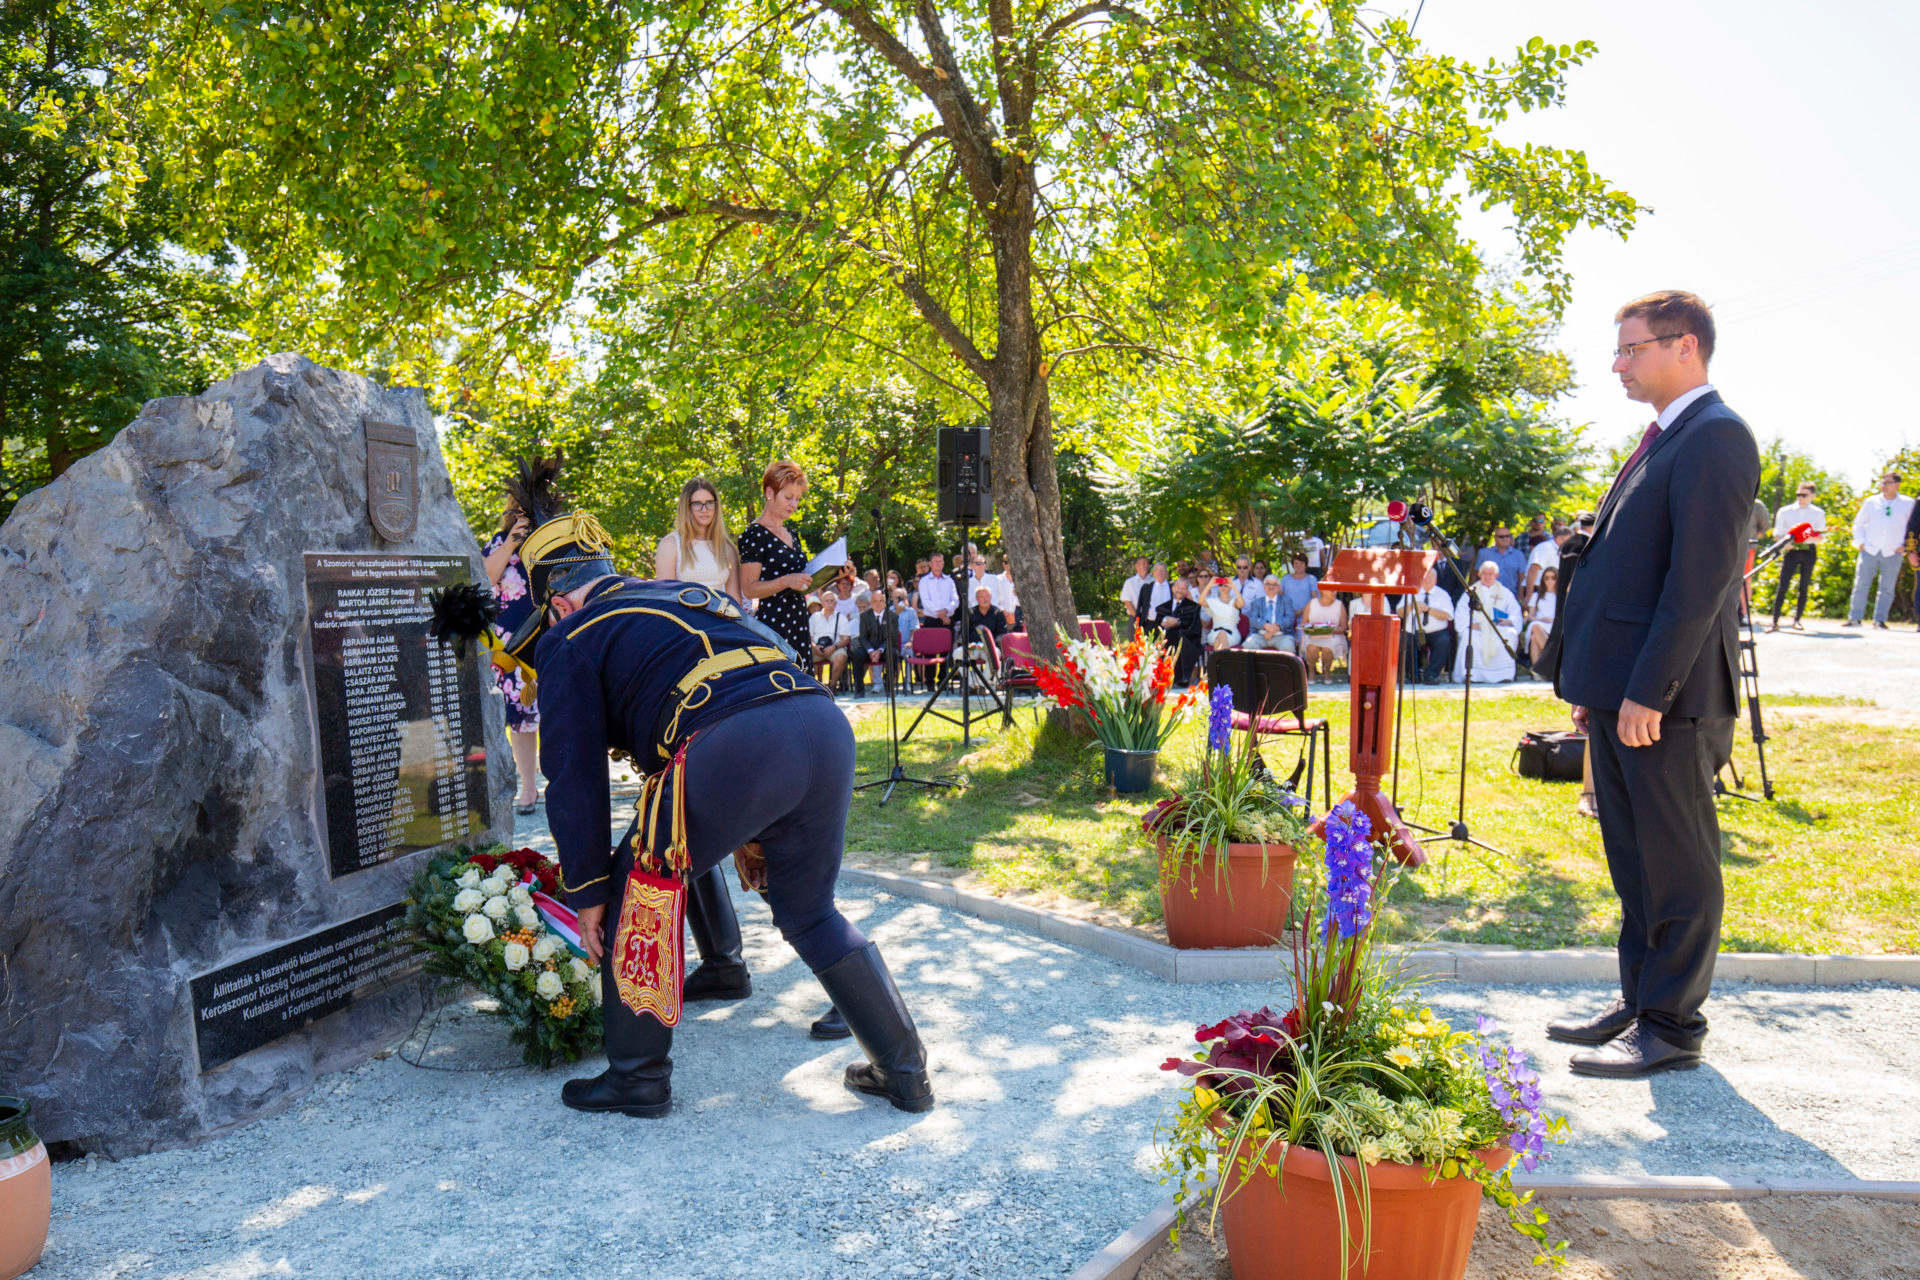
228,745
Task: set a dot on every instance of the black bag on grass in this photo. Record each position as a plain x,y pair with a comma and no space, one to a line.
1552,755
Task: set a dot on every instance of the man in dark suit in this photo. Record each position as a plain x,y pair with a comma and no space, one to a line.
1646,651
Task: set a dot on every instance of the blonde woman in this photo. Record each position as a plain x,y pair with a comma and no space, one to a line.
700,548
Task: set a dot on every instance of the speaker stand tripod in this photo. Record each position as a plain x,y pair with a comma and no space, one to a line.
893,673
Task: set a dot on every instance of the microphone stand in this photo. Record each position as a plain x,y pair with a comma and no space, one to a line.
894,673
1458,830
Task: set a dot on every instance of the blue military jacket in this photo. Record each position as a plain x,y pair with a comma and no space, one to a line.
637,669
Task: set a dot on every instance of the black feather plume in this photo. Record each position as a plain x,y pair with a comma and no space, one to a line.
532,489
462,613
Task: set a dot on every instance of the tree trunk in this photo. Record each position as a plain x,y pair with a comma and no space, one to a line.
1026,497
1026,486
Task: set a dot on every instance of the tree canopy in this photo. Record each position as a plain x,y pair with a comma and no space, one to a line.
1016,204
98,310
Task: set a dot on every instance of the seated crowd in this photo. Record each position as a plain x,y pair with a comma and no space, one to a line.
862,628
1503,619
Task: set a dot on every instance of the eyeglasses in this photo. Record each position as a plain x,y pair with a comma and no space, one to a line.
708,503
1626,352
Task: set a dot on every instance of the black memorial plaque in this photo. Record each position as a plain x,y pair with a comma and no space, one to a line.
400,731
275,993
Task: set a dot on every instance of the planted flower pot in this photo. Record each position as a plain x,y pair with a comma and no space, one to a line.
1129,772
26,1189
1288,1228
1245,907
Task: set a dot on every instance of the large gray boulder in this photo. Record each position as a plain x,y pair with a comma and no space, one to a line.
160,784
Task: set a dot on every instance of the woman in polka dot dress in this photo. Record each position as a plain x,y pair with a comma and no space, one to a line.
772,564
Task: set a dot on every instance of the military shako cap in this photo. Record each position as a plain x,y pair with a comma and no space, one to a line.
567,549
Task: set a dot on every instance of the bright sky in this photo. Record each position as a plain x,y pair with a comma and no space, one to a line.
1773,141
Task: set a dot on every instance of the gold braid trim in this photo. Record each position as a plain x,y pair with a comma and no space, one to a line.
666,788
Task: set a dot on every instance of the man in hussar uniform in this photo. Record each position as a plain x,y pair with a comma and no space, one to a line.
745,751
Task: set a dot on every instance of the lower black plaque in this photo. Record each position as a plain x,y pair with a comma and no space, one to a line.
279,991
400,731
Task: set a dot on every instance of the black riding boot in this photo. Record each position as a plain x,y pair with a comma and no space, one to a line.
638,1078
722,974
864,993
829,1026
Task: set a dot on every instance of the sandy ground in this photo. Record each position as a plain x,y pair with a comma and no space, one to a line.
1780,1238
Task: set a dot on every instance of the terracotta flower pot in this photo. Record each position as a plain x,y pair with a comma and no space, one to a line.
1246,907
1286,1228
26,1190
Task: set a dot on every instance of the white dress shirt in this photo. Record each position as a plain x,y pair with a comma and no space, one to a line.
1439,607
1004,599
1546,555
1130,589
1673,411
937,593
832,626
1794,514
1881,527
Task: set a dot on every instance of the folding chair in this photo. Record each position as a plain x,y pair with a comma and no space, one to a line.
1016,668
1270,699
932,647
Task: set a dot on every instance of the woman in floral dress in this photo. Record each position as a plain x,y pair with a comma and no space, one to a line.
523,718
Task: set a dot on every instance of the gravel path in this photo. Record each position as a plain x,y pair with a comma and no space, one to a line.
1039,1152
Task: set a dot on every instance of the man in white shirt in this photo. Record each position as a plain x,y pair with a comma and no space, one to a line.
1799,558
1245,585
1130,589
939,599
1545,556
1428,643
1154,592
1880,531
833,634
1316,551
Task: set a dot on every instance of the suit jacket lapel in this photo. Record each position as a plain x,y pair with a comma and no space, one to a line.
1659,442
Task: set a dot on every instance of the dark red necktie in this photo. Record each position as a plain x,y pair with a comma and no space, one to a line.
1646,443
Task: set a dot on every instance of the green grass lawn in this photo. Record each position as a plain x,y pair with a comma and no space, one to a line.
1830,866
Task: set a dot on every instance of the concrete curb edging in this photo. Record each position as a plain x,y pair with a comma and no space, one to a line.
1129,1251
1462,962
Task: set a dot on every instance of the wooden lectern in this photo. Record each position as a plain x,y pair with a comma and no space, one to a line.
1373,663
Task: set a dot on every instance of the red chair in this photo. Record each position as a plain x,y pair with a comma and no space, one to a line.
932,647
1016,668
1089,631
1103,632
1246,629
1270,699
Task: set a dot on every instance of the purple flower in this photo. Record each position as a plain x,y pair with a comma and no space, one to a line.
1220,718
1349,871
1513,1086
1486,1026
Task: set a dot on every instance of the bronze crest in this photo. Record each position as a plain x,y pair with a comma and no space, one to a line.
393,480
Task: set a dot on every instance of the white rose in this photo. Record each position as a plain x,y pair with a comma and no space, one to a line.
543,950
496,908
468,900
548,986
580,970
493,886
593,994
527,916
516,957
470,878
520,895
478,930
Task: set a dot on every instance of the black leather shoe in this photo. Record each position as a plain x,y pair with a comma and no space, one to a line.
863,992
717,981
1604,1026
829,1026
1634,1053
722,974
644,1095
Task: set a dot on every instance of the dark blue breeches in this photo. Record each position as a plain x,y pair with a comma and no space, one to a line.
780,773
